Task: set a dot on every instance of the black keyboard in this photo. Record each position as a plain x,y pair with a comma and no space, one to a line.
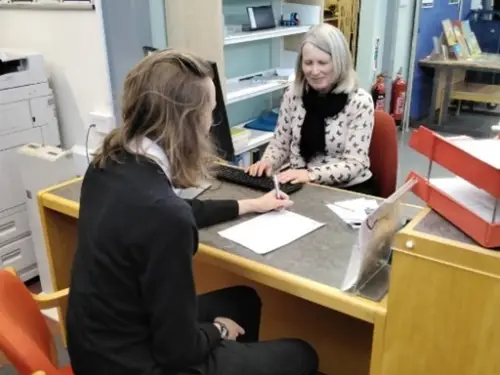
239,177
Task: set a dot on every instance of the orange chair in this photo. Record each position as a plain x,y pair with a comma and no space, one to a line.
384,154
25,338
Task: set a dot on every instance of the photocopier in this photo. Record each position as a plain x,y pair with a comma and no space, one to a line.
27,115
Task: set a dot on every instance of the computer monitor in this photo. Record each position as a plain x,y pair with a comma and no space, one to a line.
220,131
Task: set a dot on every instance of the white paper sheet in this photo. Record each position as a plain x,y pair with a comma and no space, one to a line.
353,211
469,196
486,150
270,231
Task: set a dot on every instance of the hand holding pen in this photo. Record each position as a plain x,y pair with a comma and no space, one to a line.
275,200
277,190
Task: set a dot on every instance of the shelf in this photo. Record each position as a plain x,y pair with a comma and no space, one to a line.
476,92
257,138
245,87
49,6
278,32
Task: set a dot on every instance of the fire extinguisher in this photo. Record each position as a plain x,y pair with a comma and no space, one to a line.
398,97
378,93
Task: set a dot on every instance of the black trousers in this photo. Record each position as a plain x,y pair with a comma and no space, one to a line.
248,356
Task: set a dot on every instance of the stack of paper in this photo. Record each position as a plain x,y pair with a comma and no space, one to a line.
354,211
270,231
471,197
486,150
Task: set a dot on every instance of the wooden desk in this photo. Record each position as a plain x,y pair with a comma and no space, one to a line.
444,299
449,83
298,283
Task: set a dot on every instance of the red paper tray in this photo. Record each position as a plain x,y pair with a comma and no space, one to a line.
485,233
457,161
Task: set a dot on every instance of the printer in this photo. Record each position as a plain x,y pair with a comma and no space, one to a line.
27,115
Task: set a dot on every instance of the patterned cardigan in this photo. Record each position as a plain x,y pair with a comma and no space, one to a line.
348,136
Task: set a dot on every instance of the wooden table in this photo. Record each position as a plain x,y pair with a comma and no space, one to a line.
451,88
298,283
440,316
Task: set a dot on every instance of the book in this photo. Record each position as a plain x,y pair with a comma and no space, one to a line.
451,39
471,40
459,36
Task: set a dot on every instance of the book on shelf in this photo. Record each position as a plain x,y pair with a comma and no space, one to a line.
240,137
470,39
458,50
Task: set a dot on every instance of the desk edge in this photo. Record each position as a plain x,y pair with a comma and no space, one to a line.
310,290
410,231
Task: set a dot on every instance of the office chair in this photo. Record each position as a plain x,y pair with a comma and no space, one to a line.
384,154
25,338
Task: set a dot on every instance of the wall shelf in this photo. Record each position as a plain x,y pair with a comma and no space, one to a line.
47,6
240,55
243,88
278,32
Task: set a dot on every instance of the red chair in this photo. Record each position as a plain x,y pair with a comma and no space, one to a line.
384,153
25,338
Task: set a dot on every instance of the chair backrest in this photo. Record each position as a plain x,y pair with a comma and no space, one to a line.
25,338
384,153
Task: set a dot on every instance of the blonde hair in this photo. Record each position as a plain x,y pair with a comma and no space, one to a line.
329,39
164,99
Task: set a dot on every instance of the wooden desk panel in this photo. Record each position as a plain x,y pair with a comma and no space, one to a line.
444,294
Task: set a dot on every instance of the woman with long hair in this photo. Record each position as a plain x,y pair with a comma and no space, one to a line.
133,307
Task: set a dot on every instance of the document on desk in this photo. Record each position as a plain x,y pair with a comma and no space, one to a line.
270,231
353,211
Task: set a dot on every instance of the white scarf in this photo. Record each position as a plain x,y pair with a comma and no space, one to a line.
154,152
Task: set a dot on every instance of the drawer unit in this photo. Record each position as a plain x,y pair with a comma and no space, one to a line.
20,255
16,244
14,224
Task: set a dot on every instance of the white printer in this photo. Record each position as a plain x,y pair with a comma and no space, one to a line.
27,115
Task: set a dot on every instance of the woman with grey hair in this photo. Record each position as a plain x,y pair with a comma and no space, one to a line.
325,122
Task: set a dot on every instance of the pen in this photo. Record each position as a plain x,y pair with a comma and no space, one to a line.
276,187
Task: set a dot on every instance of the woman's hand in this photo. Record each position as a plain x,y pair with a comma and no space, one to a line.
267,202
233,329
261,168
294,176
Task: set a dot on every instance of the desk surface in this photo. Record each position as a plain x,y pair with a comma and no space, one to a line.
321,256
312,266
430,224
487,61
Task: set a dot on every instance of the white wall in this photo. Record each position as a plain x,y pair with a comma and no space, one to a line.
371,26
404,36
373,19
476,4
158,25
72,44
